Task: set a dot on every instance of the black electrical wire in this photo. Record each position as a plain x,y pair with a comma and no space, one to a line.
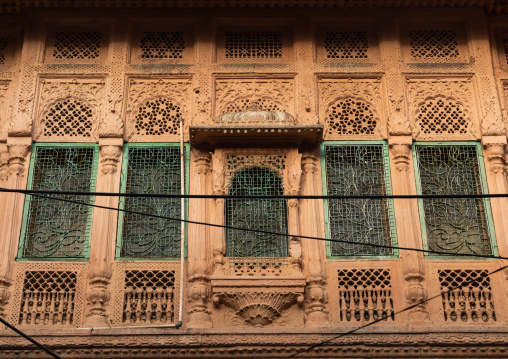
214,196
273,233
395,313
30,339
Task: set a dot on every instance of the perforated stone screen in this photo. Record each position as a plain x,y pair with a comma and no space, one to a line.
467,296
505,50
158,117
443,116
68,118
162,45
77,45
3,47
253,44
350,117
434,44
242,105
346,45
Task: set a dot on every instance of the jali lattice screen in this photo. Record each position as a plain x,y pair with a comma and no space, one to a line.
346,45
162,45
253,44
54,228
150,169
433,44
358,170
3,46
453,225
74,45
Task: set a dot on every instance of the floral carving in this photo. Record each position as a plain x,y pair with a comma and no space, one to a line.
258,308
56,92
447,102
236,95
358,100
174,93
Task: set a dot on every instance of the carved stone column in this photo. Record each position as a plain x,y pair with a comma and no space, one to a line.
219,249
314,253
293,175
103,234
11,210
413,266
199,280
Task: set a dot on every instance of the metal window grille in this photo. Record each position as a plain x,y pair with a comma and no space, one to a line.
454,225
358,170
260,214
151,169
56,229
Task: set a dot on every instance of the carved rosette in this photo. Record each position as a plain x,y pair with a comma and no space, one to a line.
142,90
233,94
366,91
18,152
110,158
112,125
91,92
458,91
259,308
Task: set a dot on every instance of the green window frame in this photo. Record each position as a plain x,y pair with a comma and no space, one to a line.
459,170
53,229
151,168
258,214
359,168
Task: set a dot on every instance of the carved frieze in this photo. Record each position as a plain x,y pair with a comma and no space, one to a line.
235,95
69,110
442,108
154,109
352,108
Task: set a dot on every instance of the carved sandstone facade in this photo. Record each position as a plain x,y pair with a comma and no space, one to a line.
274,101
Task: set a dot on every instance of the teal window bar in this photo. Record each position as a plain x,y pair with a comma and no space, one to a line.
54,229
358,168
259,214
453,225
150,168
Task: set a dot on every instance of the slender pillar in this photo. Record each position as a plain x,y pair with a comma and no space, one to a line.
11,210
199,280
293,176
103,234
219,249
314,253
408,230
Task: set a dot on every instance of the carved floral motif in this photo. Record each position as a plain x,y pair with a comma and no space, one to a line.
55,93
447,106
175,93
4,122
338,96
234,95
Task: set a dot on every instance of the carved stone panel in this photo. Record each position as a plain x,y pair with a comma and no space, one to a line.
48,295
69,110
352,109
4,112
145,293
442,108
235,95
154,109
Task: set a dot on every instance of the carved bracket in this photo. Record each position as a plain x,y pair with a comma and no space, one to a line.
258,300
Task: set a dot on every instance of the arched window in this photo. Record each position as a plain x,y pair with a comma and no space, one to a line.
350,117
258,214
68,118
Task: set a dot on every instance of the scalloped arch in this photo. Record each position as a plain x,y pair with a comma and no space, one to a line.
436,115
158,115
349,115
69,117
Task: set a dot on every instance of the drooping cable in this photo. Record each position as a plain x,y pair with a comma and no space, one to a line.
395,313
429,251
29,338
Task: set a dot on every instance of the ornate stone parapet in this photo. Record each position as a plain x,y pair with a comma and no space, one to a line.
258,300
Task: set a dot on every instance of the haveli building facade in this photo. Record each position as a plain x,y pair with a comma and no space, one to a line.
294,98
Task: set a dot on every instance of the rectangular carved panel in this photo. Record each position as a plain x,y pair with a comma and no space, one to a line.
145,293
365,295
467,296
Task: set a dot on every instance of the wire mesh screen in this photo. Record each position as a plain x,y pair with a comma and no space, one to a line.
358,170
258,214
454,225
57,229
152,170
